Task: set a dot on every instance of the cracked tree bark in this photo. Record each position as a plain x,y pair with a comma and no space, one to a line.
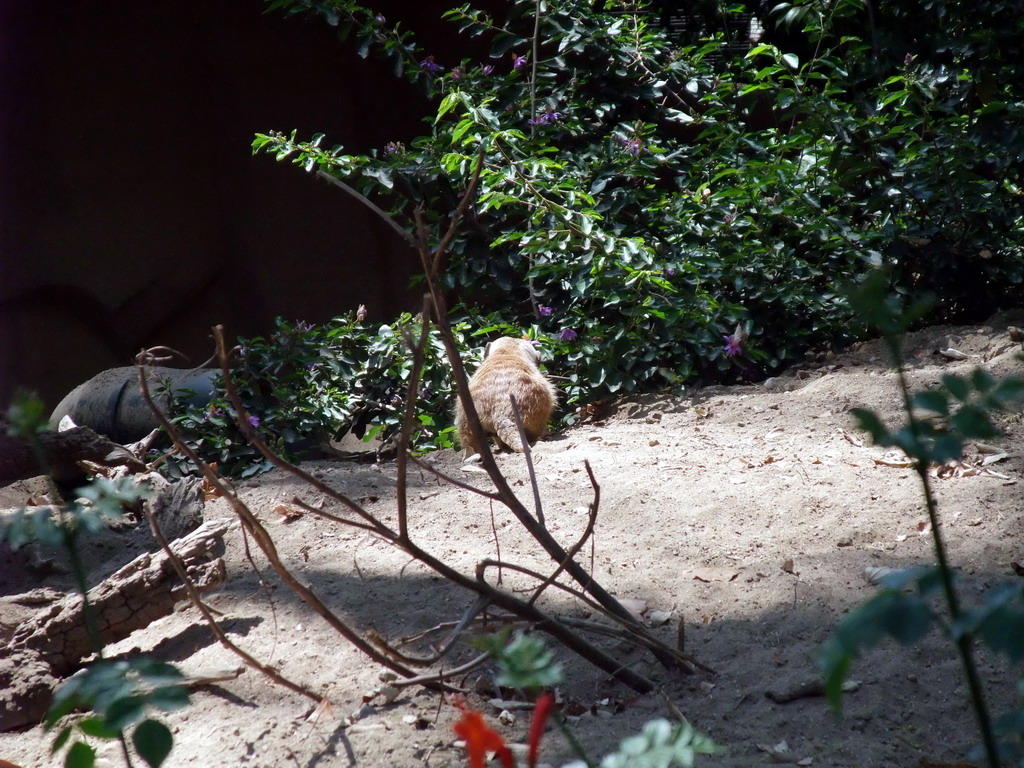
53,643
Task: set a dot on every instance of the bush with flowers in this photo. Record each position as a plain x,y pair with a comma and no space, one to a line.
659,207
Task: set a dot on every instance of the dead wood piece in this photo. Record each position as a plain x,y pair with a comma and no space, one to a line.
177,504
62,451
131,598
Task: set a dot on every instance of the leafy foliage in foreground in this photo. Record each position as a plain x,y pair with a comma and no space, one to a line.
116,696
938,422
524,662
108,699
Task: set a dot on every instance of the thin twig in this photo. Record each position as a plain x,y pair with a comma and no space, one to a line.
528,455
369,204
497,541
411,395
457,483
437,679
591,522
333,518
458,627
442,247
964,642
179,567
533,66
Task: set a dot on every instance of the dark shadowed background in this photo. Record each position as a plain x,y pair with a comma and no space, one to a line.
132,212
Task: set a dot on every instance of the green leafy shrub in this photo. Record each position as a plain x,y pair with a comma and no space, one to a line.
660,210
115,696
642,196
304,384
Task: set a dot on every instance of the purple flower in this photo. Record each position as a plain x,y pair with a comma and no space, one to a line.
518,62
669,271
379,18
544,311
567,334
733,344
634,146
487,69
545,118
393,148
254,420
457,73
431,66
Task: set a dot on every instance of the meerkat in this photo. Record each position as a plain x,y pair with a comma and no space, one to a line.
509,368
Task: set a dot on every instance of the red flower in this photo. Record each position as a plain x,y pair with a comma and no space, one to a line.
541,712
479,738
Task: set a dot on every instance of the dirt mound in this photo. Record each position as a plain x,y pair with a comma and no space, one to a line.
750,513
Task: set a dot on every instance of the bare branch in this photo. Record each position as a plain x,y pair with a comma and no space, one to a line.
457,483
411,395
190,588
456,629
438,678
439,251
369,204
333,518
528,455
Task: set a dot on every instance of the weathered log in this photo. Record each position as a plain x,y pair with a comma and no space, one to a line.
129,599
61,451
54,642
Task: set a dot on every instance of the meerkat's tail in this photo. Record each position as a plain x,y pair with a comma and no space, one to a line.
508,435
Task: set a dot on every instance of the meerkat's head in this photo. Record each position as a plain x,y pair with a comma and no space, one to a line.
509,345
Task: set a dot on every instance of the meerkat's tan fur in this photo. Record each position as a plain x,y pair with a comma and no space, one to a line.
509,368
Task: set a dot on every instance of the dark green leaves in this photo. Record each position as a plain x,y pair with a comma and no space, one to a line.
153,742
118,695
81,755
305,382
524,662
26,416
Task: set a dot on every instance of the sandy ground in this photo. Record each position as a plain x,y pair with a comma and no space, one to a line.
749,513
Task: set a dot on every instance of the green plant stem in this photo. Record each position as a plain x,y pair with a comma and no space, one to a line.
533,66
963,642
78,573
571,737
124,749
